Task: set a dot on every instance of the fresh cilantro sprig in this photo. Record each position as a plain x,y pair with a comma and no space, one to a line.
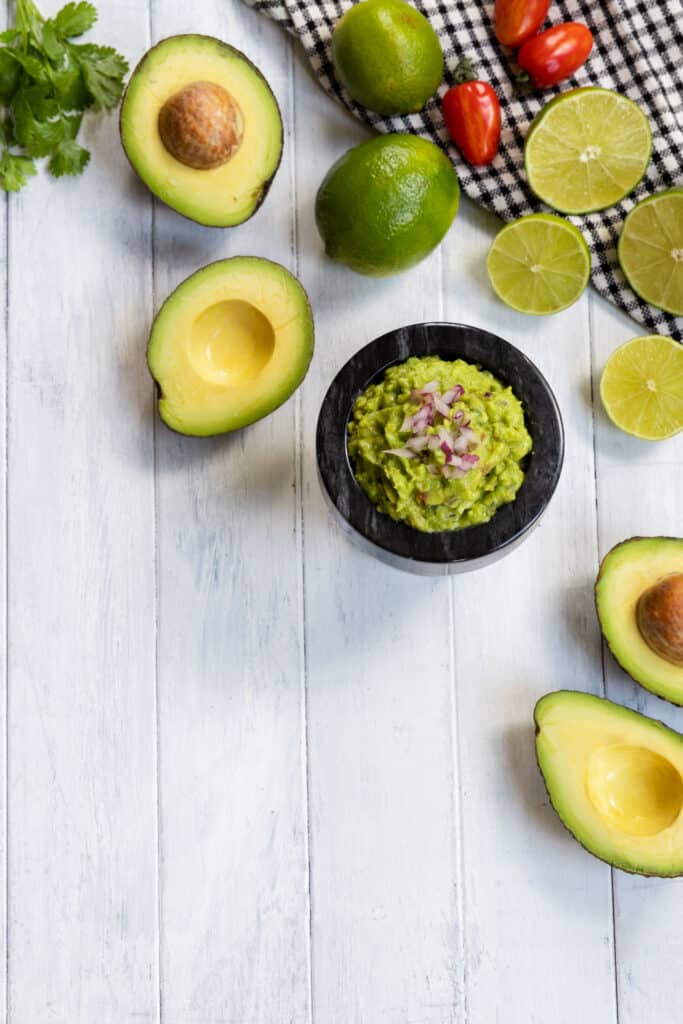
47,81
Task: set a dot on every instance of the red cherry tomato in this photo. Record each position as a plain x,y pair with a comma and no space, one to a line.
472,115
515,21
556,53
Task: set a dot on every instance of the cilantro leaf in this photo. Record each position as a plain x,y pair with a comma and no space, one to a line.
74,19
68,158
71,125
33,66
9,75
36,138
14,170
41,100
103,72
51,43
46,81
70,89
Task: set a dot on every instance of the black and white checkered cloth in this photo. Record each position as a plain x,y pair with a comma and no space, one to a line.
638,51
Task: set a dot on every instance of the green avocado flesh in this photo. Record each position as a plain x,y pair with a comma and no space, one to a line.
627,571
615,778
431,470
230,345
220,196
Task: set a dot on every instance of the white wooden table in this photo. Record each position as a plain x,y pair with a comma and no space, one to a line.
253,776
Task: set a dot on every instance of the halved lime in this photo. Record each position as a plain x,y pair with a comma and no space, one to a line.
587,149
650,250
642,387
539,264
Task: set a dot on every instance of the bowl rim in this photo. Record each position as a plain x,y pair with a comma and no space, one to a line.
449,341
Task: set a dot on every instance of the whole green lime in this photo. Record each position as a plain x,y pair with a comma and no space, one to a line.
387,55
384,205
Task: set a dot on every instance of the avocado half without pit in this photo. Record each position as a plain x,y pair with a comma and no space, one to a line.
615,778
230,345
639,599
202,128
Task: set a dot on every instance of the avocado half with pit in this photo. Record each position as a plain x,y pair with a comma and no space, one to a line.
202,128
230,345
615,778
639,599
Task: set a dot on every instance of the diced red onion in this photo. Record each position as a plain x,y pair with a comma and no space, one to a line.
447,450
459,415
430,388
434,442
472,459
460,445
403,453
441,406
453,394
406,425
420,421
417,444
469,435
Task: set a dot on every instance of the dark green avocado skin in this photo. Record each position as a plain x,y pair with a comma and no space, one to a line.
537,729
667,700
140,66
157,387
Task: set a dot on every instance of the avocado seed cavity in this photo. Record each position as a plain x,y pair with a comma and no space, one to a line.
659,614
201,125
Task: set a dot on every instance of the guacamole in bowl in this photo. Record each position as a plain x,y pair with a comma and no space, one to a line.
404,472
438,444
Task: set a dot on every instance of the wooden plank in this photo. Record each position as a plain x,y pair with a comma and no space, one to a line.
82,850
386,935
3,607
537,909
640,492
234,885
4,610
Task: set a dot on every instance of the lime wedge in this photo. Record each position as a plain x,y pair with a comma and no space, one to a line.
651,250
586,150
642,387
539,264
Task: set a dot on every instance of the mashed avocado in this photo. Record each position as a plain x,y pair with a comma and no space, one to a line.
438,444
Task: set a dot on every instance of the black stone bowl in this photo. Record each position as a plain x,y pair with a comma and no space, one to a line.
450,551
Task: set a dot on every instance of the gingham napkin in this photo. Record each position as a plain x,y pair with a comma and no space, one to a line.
638,51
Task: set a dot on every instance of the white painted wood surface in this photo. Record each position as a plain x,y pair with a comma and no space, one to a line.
254,776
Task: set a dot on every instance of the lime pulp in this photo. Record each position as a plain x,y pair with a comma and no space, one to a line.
642,387
539,264
586,150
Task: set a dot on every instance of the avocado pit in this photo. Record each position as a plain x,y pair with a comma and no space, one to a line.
659,614
201,125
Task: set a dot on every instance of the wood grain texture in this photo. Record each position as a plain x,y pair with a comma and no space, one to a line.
234,883
255,776
384,875
521,628
4,608
640,492
82,871
4,602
